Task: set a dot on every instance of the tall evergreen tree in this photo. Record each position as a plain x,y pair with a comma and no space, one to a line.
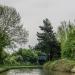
47,42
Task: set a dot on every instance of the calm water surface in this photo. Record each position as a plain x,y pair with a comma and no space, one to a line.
32,72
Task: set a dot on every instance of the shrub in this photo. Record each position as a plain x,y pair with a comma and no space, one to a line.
11,60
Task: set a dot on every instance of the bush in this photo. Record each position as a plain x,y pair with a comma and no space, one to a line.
11,60
28,55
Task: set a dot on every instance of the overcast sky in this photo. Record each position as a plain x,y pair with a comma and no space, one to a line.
34,11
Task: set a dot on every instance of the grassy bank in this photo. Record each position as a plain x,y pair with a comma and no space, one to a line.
6,68
64,65
3,69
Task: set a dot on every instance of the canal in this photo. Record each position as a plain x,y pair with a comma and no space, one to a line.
33,72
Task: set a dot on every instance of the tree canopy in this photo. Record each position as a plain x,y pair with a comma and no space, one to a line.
66,36
12,31
47,40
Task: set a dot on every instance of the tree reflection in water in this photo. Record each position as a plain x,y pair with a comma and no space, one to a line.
33,72
59,73
24,72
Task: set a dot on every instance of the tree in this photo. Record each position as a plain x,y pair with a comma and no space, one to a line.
65,36
69,46
28,55
12,31
47,40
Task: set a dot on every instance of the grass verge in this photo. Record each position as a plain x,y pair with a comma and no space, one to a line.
6,68
64,65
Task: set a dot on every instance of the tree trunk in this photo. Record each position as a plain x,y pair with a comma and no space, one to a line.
1,60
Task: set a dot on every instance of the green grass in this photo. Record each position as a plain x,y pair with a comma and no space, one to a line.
4,68
60,65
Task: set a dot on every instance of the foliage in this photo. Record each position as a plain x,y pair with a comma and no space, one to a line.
66,36
4,55
27,55
69,47
47,40
10,60
12,32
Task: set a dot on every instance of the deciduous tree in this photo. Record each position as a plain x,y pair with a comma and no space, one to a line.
12,31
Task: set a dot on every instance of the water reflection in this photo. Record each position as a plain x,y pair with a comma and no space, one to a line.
24,72
33,72
59,73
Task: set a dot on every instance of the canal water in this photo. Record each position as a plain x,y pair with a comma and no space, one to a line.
33,72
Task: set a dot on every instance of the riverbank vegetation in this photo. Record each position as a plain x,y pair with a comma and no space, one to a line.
66,37
14,35
24,57
57,48
63,65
